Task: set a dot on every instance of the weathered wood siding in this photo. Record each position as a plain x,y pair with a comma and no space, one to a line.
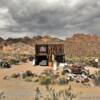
52,49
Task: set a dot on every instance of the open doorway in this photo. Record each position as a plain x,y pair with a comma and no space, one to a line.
41,60
59,58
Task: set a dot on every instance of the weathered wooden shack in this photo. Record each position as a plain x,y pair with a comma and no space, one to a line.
46,54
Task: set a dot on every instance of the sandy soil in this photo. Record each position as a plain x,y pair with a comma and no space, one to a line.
17,89
22,68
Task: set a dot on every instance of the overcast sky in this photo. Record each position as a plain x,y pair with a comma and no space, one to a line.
62,18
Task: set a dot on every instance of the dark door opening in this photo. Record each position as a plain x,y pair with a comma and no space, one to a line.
41,60
59,58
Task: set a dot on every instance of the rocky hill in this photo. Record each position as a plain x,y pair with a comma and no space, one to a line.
25,45
77,45
82,45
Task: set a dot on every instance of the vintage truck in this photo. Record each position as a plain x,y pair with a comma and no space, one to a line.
75,69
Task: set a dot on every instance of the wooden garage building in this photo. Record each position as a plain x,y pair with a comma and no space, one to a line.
46,53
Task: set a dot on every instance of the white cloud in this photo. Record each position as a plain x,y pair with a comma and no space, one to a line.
3,21
73,3
3,10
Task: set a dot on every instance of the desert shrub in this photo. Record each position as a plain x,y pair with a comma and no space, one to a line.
38,94
1,64
28,79
27,74
24,75
52,94
2,96
62,81
73,59
24,60
14,61
36,79
95,64
5,64
68,94
97,79
82,60
15,75
63,73
90,61
48,73
45,80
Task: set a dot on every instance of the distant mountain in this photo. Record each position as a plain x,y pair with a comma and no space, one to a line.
82,45
26,44
77,45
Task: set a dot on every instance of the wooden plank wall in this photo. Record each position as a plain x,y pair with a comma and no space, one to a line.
53,49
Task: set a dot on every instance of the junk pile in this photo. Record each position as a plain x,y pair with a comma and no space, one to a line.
4,64
79,74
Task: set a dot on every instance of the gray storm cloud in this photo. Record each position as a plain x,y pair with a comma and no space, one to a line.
58,17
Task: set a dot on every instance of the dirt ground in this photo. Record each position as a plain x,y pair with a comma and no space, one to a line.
17,89
22,68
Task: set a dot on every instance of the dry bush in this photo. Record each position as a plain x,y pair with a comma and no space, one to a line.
53,94
97,78
28,79
45,80
15,75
